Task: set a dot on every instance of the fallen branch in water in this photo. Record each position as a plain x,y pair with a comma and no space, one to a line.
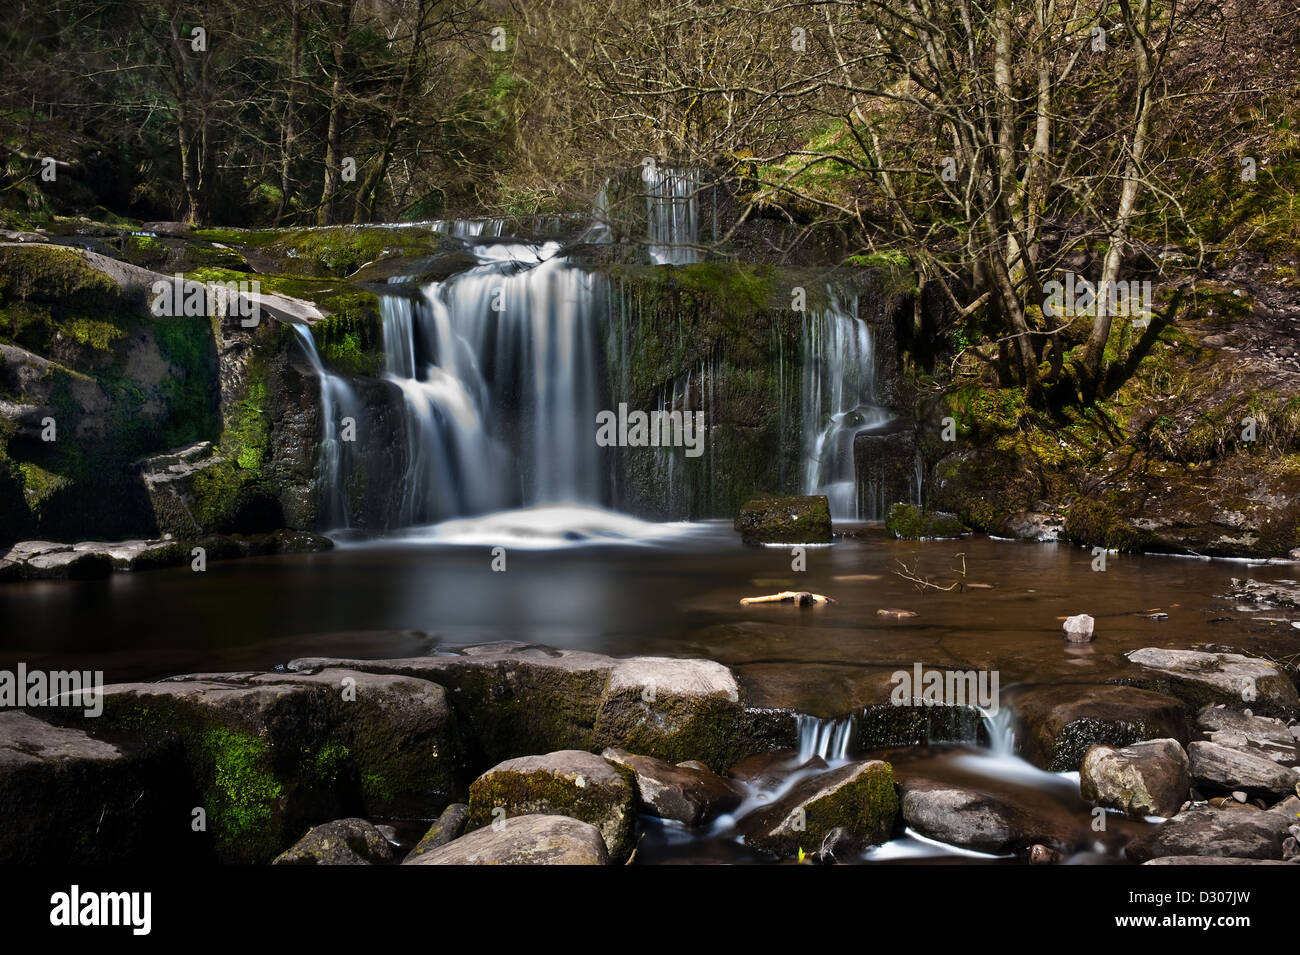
801,597
907,573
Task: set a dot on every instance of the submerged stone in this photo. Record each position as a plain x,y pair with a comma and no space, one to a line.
785,520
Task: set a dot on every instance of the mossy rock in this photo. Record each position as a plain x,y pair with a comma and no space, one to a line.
909,522
786,520
1093,522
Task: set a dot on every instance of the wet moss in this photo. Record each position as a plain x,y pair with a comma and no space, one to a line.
608,808
243,794
1095,522
909,522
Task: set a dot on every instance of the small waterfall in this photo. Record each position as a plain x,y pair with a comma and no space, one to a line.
1001,728
672,207
337,401
829,739
837,401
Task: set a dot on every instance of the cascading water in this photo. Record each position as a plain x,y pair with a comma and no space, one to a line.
673,210
829,739
338,402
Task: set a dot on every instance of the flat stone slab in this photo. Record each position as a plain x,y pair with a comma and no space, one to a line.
1200,677
1216,833
1234,769
1260,735
980,821
523,840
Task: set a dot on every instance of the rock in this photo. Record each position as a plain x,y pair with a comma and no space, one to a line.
691,794
1261,735
449,826
858,797
1043,855
169,481
909,522
69,798
1270,593
518,700
342,842
270,754
1145,779
785,520
1078,629
570,783
1210,860
523,840
1225,768
1200,677
1060,721
766,771
974,820
1214,833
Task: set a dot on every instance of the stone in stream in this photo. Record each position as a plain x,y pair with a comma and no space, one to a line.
1260,735
1145,779
1224,768
1274,593
1211,860
271,754
858,797
450,825
1078,629
909,522
1216,833
1059,722
979,821
766,771
1200,677
523,840
341,842
518,699
785,520
689,793
571,783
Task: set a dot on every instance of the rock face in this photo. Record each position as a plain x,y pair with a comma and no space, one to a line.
523,840
342,842
570,783
974,820
1230,769
858,798
1219,833
1260,735
1060,722
169,481
689,793
909,522
271,754
70,798
786,520
1200,678
517,700
1145,779
448,826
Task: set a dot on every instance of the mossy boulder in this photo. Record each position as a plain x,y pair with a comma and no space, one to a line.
342,842
1145,779
446,828
909,522
523,840
570,783
858,798
785,520
689,792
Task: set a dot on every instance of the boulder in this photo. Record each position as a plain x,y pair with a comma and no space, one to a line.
1078,629
342,842
910,522
1270,593
858,797
450,825
169,484
1211,860
767,771
689,793
570,783
1222,768
1216,833
979,821
1201,677
1145,779
1260,735
1059,722
523,840
785,520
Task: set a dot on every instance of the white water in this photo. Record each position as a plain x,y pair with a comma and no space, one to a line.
828,739
673,211
338,401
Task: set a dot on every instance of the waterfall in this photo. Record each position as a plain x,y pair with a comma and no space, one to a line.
837,401
337,401
828,739
672,208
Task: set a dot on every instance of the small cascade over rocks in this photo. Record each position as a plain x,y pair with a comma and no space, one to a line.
828,739
339,401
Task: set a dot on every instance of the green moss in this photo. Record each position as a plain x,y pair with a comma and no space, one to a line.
909,522
330,761
1095,522
242,792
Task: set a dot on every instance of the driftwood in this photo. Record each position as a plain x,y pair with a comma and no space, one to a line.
800,597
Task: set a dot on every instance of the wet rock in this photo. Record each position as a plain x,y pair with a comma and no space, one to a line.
1145,779
523,840
44,560
1210,860
271,754
1201,677
342,842
169,481
519,699
1034,525
570,783
689,793
785,520
881,725
1260,735
858,797
1214,833
1078,629
1061,721
909,522
1271,593
449,826
1222,768
766,771
71,798
976,820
